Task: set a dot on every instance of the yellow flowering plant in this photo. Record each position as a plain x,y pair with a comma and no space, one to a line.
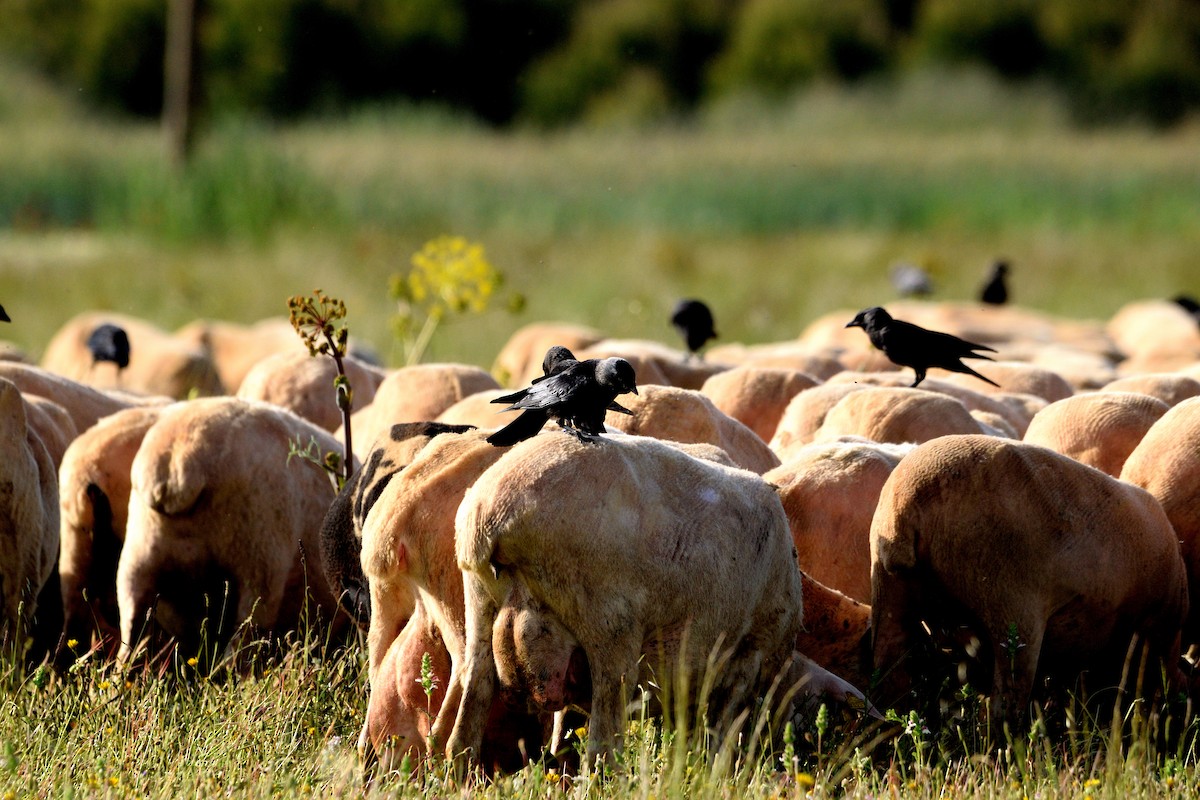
449,275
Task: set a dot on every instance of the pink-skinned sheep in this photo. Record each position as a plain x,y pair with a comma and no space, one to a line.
415,394
416,600
1170,387
159,363
1099,429
342,528
648,558
84,405
304,385
93,505
756,396
1166,463
476,409
829,492
520,358
28,520
234,348
687,416
1015,409
654,362
819,362
1052,565
897,415
805,414
223,527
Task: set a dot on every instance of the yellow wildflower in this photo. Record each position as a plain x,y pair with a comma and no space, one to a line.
72,643
193,661
580,732
805,781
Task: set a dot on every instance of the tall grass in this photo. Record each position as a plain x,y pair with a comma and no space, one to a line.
289,729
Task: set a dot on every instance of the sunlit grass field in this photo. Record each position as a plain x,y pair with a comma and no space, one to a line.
774,213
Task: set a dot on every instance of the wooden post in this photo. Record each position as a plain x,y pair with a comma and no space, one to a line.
179,79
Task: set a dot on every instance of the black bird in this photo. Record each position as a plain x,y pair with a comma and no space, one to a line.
1188,304
109,342
557,359
577,397
4,315
694,321
995,291
909,280
913,346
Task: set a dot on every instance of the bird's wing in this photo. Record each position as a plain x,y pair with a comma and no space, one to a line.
555,389
511,398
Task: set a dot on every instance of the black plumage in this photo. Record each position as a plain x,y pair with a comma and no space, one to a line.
4,315
577,396
109,342
694,322
913,346
557,359
995,291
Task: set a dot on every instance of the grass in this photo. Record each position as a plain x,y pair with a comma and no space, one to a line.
289,730
775,215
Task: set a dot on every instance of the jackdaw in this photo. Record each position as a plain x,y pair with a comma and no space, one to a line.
557,359
913,346
577,396
109,342
995,291
694,321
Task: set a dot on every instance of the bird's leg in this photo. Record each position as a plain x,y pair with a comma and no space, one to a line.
920,377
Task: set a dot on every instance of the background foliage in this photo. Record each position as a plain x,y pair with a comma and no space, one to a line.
555,61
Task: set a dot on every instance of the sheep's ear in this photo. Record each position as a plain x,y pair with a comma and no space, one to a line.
402,557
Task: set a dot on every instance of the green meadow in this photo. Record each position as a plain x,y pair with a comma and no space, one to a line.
774,213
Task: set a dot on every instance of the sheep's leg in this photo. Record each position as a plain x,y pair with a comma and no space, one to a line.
476,684
612,680
1017,648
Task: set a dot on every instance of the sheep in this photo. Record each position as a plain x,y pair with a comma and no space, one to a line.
159,364
654,362
342,528
829,493
897,415
83,404
805,414
93,505
1016,378
821,363
28,518
234,349
1052,564
223,527
648,558
416,394
1171,388
304,385
409,564
1099,429
520,359
1166,463
1156,335
756,396
685,415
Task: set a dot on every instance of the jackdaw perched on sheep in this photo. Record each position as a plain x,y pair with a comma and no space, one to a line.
577,397
109,342
995,291
911,345
694,321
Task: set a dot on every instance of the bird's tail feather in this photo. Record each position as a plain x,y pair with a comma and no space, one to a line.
520,429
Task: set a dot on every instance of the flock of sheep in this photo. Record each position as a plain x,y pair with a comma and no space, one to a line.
784,524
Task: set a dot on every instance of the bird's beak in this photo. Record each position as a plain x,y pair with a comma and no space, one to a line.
634,390
854,323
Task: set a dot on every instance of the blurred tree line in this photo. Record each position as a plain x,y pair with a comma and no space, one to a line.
556,61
